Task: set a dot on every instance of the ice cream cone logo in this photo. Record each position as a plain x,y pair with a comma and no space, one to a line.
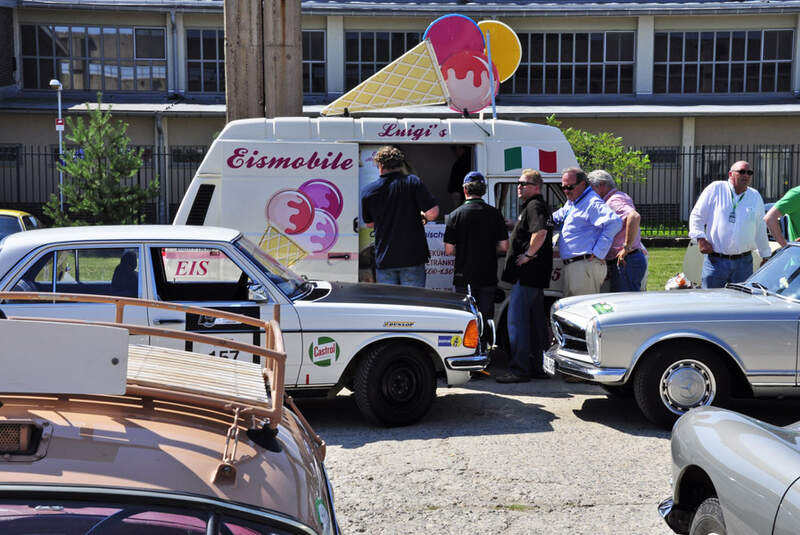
302,221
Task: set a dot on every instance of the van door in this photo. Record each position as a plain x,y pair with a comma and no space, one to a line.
298,201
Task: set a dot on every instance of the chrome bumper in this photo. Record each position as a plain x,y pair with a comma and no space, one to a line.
467,363
585,370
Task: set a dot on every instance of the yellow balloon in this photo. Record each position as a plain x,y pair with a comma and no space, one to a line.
505,47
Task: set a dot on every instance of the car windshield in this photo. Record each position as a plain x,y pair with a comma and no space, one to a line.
781,275
8,225
284,278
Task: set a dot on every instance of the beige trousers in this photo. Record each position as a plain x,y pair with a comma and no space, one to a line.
584,276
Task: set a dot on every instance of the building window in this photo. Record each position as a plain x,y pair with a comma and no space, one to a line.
94,58
205,68
741,61
366,53
10,155
314,62
574,64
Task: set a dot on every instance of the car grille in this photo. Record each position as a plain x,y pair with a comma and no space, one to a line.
569,335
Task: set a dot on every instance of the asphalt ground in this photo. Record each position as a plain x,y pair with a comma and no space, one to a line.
545,457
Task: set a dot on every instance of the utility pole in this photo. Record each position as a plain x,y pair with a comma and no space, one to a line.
263,58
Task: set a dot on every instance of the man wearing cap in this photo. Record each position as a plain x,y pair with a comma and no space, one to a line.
588,227
476,234
728,222
528,265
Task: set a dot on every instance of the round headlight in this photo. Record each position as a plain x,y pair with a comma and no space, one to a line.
593,340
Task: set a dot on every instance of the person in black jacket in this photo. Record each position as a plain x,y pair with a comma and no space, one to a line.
475,234
528,265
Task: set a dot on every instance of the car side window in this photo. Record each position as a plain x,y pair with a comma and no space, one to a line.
30,222
507,202
198,274
97,271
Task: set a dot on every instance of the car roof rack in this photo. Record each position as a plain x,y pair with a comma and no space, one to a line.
244,388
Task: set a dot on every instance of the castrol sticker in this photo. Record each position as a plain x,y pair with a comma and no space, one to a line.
324,351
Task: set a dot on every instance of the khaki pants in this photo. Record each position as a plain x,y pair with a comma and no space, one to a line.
584,276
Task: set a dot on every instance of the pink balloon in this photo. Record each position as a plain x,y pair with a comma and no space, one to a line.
321,235
454,33
324,195
466,75
290,211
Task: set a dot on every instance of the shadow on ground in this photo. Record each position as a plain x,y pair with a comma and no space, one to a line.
454,413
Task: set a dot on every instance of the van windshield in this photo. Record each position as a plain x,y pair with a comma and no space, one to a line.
284,278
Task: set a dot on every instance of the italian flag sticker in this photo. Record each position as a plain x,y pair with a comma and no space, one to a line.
530,157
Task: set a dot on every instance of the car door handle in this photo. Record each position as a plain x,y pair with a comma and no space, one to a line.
165,321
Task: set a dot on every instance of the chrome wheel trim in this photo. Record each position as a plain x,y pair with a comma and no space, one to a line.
685,384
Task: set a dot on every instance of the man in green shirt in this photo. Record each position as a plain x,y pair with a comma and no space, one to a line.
788,205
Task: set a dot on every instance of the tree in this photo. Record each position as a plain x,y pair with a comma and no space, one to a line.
96,172
605,151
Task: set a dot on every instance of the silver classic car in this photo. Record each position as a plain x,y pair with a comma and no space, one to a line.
733,474
680,349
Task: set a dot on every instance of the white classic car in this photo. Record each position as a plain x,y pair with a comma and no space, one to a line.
681,349
388,344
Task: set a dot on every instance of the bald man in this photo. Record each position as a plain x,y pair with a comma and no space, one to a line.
728,222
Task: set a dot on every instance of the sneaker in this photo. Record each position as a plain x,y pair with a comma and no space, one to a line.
512,378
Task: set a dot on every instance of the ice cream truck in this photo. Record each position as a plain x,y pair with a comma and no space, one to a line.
292,184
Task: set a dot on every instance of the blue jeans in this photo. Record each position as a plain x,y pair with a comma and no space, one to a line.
404,276
526,330
628,277
717,271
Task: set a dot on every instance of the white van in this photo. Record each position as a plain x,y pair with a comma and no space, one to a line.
292,184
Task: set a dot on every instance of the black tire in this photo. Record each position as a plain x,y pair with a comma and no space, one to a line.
395,385
708,519
619,391
679,377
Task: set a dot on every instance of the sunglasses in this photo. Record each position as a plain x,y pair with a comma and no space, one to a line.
569,187
748,172
525,184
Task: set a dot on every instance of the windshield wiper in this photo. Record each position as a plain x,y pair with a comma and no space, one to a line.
756,284
740,287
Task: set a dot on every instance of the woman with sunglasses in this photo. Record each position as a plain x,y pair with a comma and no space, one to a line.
727,222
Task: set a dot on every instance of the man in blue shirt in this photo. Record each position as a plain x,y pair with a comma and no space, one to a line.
397,205
588,227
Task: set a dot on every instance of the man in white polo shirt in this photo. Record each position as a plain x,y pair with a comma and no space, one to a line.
727,221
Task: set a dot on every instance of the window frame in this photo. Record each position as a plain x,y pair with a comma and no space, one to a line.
81,67
662,68
557,65
364,68
204,63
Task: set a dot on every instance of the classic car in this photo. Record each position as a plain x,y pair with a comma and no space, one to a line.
733,474
12,221
388,344
680,349
101,436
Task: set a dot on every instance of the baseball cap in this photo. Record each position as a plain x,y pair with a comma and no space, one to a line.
473,176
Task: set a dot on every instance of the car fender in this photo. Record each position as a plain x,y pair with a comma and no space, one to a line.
678,335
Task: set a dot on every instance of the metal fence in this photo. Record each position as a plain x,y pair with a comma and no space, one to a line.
28,176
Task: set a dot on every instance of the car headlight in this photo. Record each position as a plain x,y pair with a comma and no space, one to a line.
593,340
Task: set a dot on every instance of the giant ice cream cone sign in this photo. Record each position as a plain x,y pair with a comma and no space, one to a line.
459,62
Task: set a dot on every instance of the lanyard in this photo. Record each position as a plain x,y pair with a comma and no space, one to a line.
736,201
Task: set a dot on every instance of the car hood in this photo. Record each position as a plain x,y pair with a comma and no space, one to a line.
675,304
389,294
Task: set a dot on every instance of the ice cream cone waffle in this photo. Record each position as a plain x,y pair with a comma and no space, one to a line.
281,247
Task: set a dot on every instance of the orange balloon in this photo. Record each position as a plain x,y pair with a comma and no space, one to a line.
505,47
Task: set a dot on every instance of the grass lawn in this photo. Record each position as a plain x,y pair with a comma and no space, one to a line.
663,263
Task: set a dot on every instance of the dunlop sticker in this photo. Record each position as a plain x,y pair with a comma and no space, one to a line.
324,351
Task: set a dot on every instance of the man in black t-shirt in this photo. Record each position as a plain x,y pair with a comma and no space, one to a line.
397,205
528,265
476,233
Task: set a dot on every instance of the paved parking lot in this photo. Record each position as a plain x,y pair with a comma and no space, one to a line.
541,457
